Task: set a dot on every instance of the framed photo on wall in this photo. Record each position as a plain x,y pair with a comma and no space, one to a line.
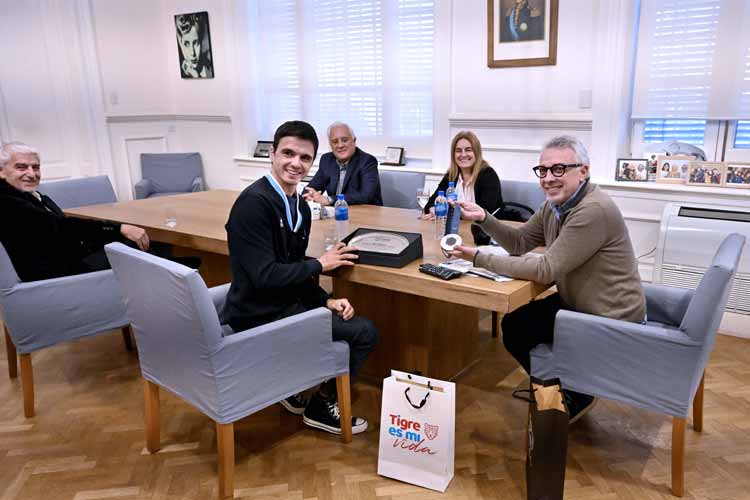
194,45
673,169
706,173
521,33
632,169
738,175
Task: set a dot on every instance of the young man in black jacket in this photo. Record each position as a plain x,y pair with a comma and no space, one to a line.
268,232
41,241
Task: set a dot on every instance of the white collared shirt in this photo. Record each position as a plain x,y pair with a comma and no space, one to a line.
465,192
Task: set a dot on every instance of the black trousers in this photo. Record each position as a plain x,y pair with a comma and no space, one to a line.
359,332
529,326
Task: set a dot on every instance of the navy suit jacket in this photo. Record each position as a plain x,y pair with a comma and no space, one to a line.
362,181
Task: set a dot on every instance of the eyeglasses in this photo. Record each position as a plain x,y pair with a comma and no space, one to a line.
558,169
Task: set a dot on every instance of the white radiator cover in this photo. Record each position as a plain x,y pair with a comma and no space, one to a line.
688,239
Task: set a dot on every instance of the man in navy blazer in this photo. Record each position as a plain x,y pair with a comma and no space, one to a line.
346,170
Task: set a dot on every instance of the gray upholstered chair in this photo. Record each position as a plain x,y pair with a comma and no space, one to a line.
43,313
525,196
181,348
657,366
400,188
80,192
165,174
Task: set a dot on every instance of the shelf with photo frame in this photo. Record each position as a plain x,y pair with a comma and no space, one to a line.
682,170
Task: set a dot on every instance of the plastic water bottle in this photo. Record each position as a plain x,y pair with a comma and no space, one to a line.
341,213
451,193
441,214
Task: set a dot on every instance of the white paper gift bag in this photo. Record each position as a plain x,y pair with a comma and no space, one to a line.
417,430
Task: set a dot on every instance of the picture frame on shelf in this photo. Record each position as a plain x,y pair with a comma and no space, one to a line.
521,33
632,169
653,164
394,156
263,149
706,173
673,169
737,175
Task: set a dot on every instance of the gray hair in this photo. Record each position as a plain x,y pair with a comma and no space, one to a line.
340,124
572,143
8,149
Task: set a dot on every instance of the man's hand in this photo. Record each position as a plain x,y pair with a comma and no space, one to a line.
428,216
316,196
466,253
342,307
337,257
135,234
471,211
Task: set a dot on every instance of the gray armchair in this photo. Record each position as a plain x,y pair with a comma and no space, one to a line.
400,188
80,192
166,174
181,348
658,366
528,197
43,313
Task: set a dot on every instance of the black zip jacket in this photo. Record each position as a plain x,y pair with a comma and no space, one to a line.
269,270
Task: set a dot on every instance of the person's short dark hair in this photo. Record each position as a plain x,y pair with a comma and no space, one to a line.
186,22
300,130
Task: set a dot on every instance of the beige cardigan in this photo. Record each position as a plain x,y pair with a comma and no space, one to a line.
589,256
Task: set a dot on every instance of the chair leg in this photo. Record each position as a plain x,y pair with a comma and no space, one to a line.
27,384
343,391
495,326
698,406
10,349
225,445
151,415
678,456
126,338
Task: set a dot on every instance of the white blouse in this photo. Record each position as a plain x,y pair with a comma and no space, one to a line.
465,191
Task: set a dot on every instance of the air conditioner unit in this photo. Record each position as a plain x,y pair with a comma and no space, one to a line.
690,235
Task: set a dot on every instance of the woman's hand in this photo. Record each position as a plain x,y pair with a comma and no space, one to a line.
428,216
464,252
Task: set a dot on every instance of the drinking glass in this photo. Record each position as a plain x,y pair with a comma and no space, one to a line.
423,196
170,217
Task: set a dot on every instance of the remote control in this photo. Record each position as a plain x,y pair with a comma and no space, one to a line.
441,272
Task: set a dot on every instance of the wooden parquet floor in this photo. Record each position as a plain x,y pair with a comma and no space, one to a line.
87,440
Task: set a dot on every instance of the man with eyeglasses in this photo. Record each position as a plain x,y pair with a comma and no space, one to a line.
588,256
345,170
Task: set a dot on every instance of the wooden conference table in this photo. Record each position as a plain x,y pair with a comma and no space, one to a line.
426,324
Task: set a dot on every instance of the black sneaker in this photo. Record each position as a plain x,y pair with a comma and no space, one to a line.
324,415
295,403
579,404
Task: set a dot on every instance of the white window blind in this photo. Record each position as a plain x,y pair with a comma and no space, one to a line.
365,62
692,60
691,131
742,135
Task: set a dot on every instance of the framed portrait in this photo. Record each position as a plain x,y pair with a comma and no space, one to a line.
394,156
653,164
521,33
263,149
632,169
673,169
737,175
194,45
706,173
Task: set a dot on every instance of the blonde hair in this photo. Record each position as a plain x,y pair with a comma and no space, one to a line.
479,163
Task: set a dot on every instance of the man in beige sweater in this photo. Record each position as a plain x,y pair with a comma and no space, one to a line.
589,256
